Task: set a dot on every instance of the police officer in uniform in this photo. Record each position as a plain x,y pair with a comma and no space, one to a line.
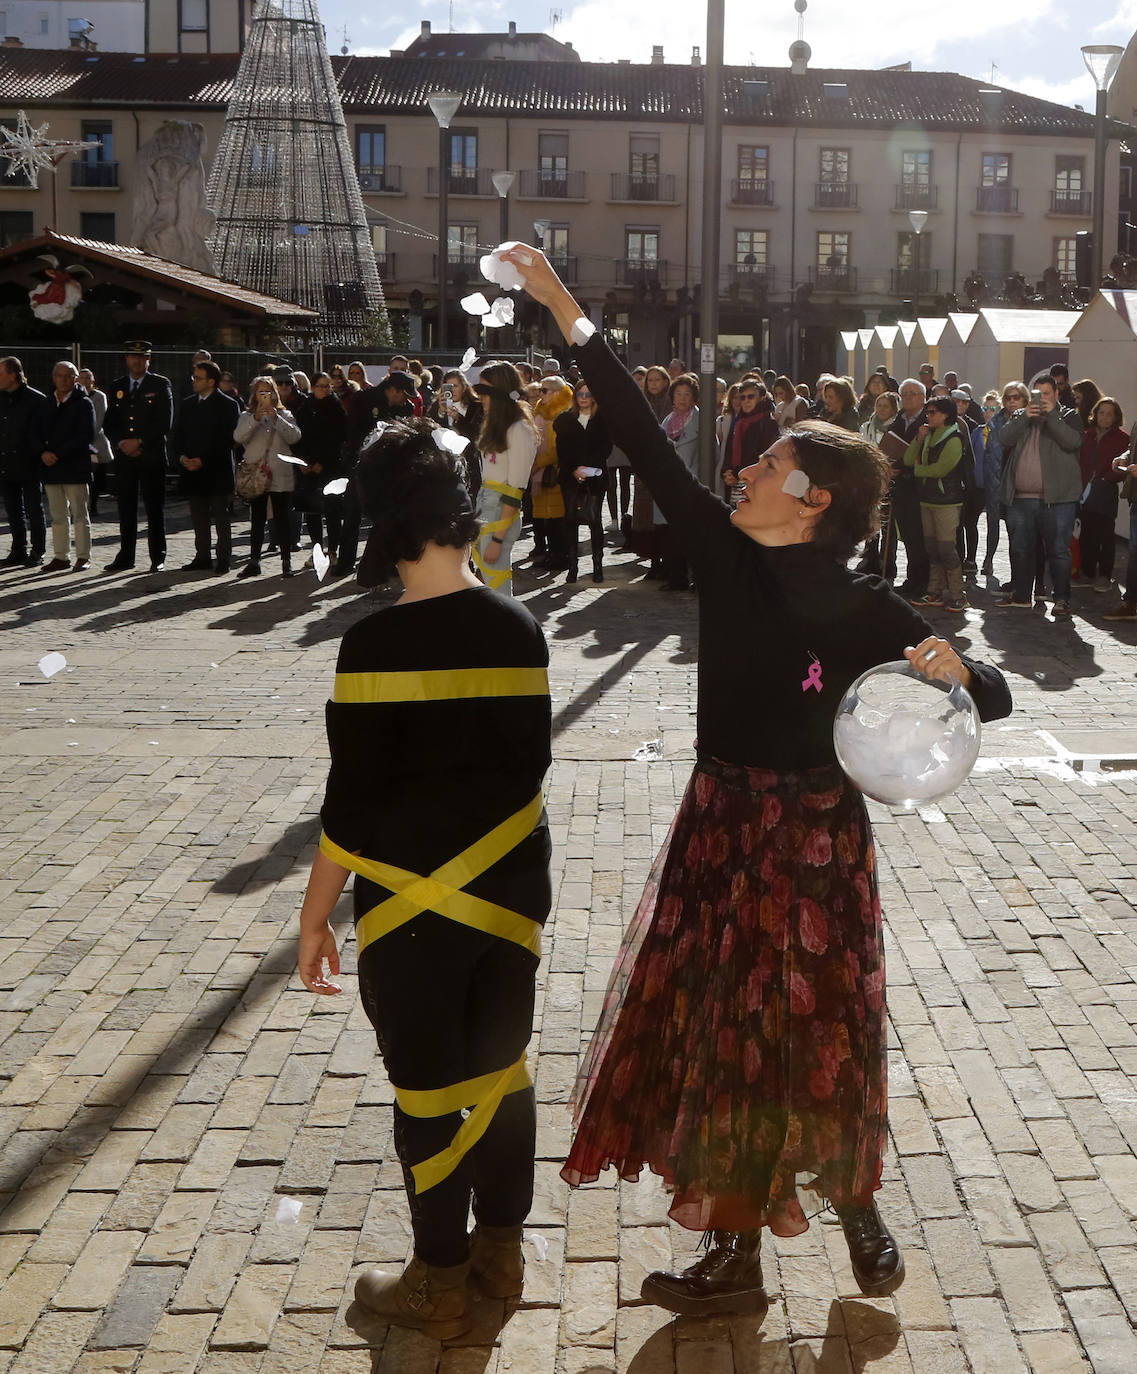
140,414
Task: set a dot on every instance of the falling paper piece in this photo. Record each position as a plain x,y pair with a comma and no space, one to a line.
467,359
539,1244
51,664
320,561
70,720
502,273
288,1209
450,441
649,751
501,312
336,487
475,304
796,483
291,458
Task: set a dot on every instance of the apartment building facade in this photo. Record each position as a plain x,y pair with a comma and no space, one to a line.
820,171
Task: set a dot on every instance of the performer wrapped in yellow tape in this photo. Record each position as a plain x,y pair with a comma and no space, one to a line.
439,730
508,443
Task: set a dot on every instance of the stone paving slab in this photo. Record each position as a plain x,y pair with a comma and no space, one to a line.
195,1155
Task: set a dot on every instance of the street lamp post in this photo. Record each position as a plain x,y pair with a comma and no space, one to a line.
540,228
917,219
444,106
503,184
1102,61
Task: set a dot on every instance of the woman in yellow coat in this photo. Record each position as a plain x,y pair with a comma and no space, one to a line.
548,504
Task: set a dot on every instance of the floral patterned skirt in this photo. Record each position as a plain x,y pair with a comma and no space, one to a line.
742,1045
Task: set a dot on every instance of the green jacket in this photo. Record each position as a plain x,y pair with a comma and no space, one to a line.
935,460
1059,447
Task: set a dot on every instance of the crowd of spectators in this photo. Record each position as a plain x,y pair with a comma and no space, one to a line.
1046,462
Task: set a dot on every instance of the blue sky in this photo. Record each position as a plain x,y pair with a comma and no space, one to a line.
1034,44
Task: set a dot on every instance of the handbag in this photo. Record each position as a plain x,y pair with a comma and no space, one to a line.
550,476
1129,488
585,505
252,478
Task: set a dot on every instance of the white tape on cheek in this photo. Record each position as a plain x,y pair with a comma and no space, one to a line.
796,483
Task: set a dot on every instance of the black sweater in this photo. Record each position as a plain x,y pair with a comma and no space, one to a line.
415,782
765,613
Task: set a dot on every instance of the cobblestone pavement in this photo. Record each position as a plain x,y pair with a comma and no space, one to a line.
196,1154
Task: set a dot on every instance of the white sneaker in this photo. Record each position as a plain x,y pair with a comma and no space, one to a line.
1103,584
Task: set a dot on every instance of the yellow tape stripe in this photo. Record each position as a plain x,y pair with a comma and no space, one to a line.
442,1101
494,574
504,489
442,684
441,891
443,1164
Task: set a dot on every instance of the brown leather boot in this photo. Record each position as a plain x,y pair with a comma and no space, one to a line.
497,1260
423,1296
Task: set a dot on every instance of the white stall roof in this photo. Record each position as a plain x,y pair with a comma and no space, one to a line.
964,323
865,336
887,333
849,338
1125,303
907,330
1031,326
931,327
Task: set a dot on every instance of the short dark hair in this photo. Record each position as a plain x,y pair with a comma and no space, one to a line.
944,405
14,366
1059,370
856,475
685,379
210,368
414,493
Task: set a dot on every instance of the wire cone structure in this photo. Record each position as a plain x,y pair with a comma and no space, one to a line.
290,218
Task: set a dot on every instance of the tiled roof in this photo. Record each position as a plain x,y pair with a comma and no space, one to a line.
757,96
481,45
158,269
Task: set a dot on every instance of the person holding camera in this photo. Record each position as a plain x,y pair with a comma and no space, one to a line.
1042,482
935,456
456,407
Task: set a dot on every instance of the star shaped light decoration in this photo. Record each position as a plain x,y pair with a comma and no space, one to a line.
29,148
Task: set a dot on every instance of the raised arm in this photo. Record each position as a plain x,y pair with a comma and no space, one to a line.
697,516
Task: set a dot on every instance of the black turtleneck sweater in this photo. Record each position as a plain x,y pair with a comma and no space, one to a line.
765,614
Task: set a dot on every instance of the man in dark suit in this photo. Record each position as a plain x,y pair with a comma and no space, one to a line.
140,414
202,444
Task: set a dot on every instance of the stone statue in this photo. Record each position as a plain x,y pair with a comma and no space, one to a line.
171,218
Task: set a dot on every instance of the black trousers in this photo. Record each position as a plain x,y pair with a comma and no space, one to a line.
314,523
450,1003
132,478
23,505
572,533
967,536
349,531
211,509
619,483
281,527
1099,544
908,525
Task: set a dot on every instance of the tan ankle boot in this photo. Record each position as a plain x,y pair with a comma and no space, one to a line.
423,1296
497,1260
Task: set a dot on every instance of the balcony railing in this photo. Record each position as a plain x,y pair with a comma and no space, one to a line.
835,195
752,192
634,186
756,273
380,179
565,268
103,174
833,278
474,181
540,184
997,200
907,280
460,266
641,272
912,195
1071,202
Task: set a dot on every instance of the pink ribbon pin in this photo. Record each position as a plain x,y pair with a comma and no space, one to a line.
813,679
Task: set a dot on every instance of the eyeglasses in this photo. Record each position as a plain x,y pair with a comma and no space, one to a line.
584,395
749,395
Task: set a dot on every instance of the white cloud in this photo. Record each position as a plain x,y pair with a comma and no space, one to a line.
1078,90
601,32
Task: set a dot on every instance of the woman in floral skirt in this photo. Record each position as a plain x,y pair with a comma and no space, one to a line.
743,1040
